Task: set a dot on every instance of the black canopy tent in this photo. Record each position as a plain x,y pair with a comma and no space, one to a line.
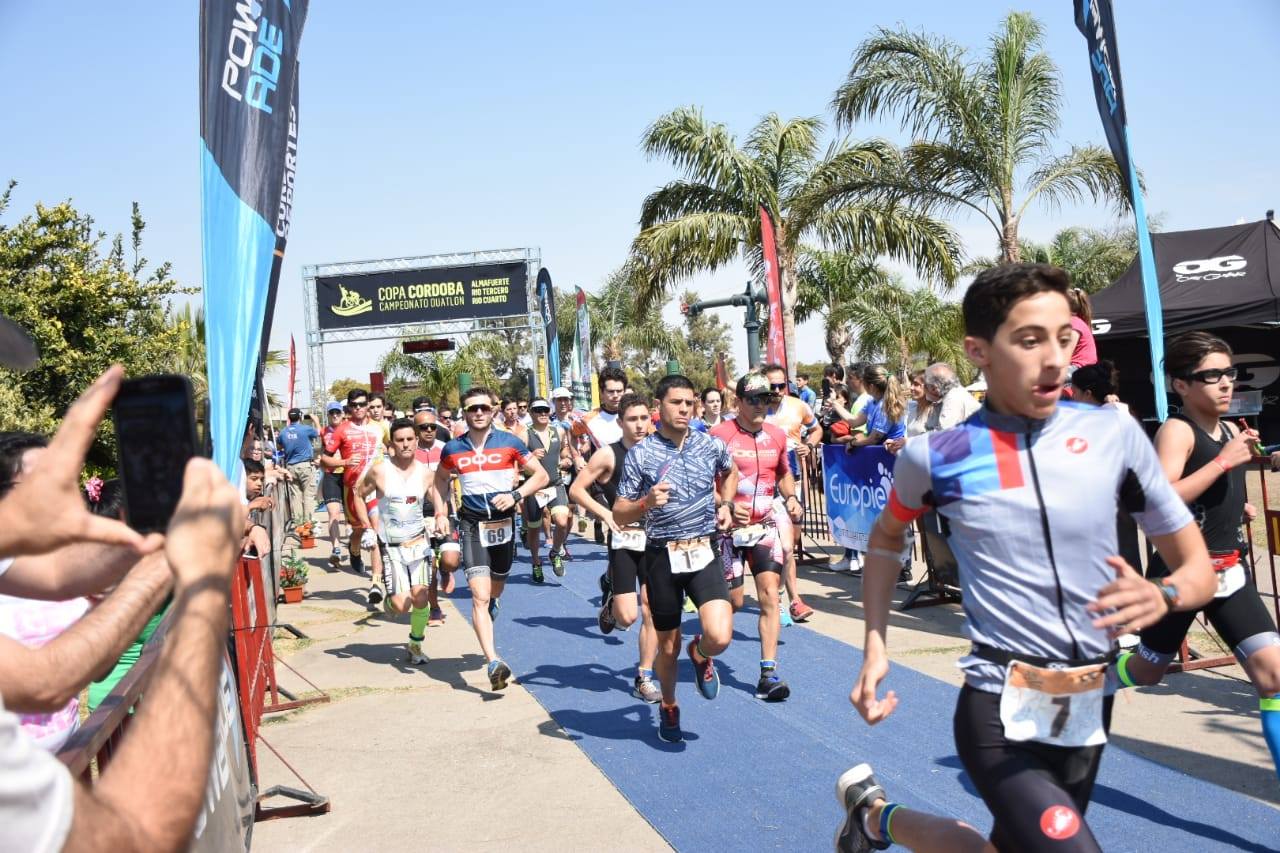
1223,280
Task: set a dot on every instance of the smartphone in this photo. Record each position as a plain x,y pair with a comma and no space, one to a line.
155,435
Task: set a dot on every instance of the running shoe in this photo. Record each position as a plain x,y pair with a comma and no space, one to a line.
646,691
669,724
904,576
606,588
771,688
605,619
493,609
416,655
538,577
375,596
840,567
436,617
857,790
499,674
704,673
335,558
564,552
783,616
357,565
557,564
800,611
689,606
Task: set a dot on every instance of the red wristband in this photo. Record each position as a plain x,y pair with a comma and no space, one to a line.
1224,466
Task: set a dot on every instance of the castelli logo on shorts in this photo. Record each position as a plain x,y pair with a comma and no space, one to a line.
1059,822
1076,444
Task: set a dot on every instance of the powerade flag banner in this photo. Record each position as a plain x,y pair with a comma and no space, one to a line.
580,373
1095,21
249,133
776,346
547,305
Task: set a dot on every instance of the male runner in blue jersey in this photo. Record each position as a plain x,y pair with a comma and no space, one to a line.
1044,593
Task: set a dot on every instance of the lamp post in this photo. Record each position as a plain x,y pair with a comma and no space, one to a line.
747,300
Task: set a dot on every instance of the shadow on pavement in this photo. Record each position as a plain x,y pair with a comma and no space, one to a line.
581,627
635,722
594,677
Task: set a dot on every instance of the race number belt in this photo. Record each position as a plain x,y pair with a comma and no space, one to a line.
1230,572
494,533
689,555
544,496
627,539
1059,703
411,550
749,536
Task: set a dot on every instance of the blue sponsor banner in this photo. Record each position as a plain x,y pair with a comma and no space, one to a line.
857,484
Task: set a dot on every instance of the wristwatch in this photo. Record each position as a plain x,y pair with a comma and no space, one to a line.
516,496
1170,593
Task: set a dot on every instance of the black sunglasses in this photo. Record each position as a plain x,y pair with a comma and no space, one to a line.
761,399
426,427
778,386
1213,376
478,408
538,410
359,404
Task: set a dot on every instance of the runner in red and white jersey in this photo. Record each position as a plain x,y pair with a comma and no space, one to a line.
355,445
759,451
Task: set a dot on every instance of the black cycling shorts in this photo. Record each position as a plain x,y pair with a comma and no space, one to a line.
479,560
331,487
667,590
626,568
1236,618
1036,792
533,512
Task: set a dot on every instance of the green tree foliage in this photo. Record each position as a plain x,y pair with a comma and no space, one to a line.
436,374
339,388
905,328
710,216
1093,257
85,310
704,337
829,280
984,129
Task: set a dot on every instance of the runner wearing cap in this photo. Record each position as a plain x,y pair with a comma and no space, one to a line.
549,506
331,485
355,445
759,452
297,444
669,482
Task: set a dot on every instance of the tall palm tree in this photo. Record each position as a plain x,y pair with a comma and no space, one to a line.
436,374
618,323
900,325
828,281
984,130
711,217
1094,258
190,357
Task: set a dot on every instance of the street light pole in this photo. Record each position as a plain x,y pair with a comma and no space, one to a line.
748,300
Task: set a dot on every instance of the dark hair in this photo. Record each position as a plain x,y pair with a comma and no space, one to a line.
613,374
110,500
295,415
834,371
1080,305
476,391
420,401
856,369
402,423
706,391
629,401
509,401
803,376
1183,353
1100,379
253,466
666,383
12,447
376,396
766,369
996,290
355,394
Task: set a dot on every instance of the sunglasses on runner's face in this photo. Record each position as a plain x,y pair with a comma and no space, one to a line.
1212,377
761,399
479,408
426,427
538,410
360,404
778,386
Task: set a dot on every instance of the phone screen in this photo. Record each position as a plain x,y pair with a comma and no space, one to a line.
155,432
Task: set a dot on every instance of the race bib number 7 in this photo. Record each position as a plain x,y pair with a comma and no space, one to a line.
690,556
1061,707
494,533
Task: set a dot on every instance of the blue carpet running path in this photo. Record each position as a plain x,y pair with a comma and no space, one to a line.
758,776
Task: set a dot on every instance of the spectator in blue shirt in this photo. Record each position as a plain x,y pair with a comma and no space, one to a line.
885,415
804,392
296,443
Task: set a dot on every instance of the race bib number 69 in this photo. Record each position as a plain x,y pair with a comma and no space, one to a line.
494,533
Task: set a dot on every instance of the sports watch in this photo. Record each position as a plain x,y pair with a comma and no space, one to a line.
1170,593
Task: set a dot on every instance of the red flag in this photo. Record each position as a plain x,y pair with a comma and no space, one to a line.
776,346
722,372
293,368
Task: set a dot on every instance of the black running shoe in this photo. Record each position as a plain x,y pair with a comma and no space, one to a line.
857,790
669,724
605,620
772,688
375,596
537,573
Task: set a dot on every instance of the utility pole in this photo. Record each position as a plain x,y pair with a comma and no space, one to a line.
748,300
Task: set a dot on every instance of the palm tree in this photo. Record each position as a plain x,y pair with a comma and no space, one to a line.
900,326
618,324
984,130
1094,258
436,374
711,216
828,281
190,358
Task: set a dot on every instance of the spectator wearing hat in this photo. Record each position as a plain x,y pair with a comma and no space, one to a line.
297,445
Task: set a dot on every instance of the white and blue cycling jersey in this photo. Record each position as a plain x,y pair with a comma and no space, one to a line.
1029,509
690,470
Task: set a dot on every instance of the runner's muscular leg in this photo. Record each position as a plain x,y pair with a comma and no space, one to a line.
665,665
624,609
648,634
480,592
716,617
770,621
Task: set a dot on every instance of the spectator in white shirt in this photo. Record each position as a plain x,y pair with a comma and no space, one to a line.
951,404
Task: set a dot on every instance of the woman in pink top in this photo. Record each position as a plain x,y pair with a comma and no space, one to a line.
1086,351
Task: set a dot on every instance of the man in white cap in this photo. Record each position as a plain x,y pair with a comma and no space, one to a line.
549,506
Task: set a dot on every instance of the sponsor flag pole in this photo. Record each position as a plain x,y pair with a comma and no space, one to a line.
1096,22
722,373
293,368
776,346
248,129
547,305
585,393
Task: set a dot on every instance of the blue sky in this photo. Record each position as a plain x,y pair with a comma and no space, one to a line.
428,129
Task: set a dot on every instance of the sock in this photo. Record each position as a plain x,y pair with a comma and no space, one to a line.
698,645
417,622
641,672
357,561
768,664
1270,708
886,821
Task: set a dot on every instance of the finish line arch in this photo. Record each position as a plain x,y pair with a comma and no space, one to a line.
447,295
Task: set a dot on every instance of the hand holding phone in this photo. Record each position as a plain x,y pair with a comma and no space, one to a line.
156,437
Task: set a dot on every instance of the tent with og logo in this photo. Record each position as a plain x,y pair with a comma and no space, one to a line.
1220,280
